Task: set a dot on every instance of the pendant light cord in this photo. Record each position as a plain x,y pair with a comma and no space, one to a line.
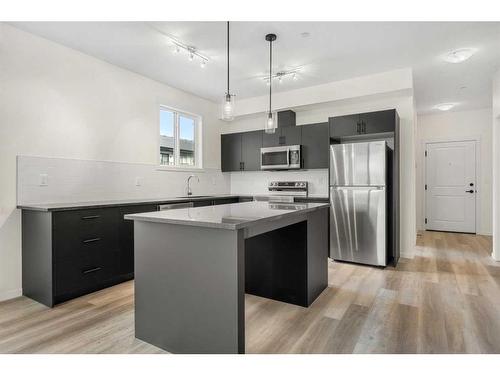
228,58
270,72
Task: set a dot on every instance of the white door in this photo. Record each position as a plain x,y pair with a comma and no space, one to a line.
451,186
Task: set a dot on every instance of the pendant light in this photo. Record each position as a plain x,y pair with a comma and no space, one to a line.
269,126
228,101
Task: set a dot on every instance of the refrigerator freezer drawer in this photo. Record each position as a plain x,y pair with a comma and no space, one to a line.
358,225
358,164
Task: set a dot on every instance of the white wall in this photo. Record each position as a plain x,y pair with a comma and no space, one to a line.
401,101
57,102
461,125
496,165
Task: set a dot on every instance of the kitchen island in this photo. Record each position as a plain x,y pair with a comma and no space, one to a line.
194,265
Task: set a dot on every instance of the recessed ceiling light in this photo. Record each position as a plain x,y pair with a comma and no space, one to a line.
459,55
305,34
445,106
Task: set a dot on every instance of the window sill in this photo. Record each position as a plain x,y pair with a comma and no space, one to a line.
179,169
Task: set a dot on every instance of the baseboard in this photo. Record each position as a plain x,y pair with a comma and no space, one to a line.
9,294
407,254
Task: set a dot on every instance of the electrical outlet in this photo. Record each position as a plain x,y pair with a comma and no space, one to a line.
138,181
44,179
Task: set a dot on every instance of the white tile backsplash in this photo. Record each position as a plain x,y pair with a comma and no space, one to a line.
71,180
256,182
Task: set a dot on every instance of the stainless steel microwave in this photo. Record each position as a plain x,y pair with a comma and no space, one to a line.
280,157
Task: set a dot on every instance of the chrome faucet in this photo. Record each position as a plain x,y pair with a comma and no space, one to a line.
189,192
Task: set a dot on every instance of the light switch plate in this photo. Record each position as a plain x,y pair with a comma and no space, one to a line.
44,179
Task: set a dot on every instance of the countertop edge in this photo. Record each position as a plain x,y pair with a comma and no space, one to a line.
122,203
229,226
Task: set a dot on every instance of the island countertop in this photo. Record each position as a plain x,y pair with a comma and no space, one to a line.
228,216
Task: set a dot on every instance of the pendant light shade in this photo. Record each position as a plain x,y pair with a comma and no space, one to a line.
228,100
270,124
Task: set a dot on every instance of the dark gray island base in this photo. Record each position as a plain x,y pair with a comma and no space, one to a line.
193,266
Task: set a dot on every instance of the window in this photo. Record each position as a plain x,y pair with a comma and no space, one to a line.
179,141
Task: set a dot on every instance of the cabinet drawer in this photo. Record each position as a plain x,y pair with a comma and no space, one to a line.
80,247
77,232
73,275
86,222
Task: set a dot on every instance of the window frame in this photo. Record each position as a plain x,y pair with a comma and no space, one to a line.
197,140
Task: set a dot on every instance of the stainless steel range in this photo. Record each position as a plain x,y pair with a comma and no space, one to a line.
286,191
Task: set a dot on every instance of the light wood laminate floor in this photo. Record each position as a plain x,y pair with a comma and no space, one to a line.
445,300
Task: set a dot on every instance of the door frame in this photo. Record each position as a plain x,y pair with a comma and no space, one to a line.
423,173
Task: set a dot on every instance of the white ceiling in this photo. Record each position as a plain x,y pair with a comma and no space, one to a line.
333,51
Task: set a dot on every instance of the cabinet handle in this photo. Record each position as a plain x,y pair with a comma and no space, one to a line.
364,127
92,270
92,240
91,217
358,128
242,165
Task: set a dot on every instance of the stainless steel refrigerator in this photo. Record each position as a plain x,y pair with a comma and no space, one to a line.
358,199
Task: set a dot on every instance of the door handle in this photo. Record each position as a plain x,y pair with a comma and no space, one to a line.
469,191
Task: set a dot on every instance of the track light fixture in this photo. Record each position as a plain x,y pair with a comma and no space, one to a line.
293,73
191,51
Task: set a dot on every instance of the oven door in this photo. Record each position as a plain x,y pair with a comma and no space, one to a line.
274,158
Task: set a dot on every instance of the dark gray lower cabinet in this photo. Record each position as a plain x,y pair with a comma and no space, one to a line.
202,203
70,253
126,237
214,202
225,201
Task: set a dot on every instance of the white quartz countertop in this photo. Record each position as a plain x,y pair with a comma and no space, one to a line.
228,216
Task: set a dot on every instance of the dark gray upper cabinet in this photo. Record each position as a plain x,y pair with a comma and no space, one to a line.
286,119
271,140
364,123
290,136
315,145
231,152
251,142
378,122
282,137
241,151
344,126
